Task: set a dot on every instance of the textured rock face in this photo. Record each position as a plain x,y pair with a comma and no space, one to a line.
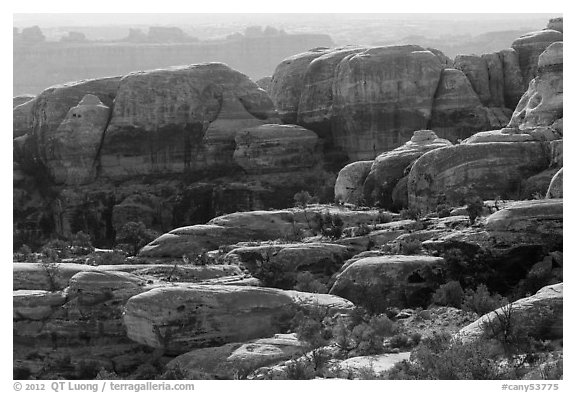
161,117
235,359
513,83
556,24
316,98
542,104
476,70
483,169
556,185
529,47
21,99
380,96
22,118
457,110
349,187
275,148
388,168
72,149
377,363
392,280
179,319
541,315
287,83
528,222
322,258
34,276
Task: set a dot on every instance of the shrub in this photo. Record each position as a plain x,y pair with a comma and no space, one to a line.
365,337
362,230
300,369
329,225
57,246
481,301
383,218
443,210
23,253
132,236
410,246
104,374
474,208
302,199
306,282
449,294
115,257
81,244
410,214
274,273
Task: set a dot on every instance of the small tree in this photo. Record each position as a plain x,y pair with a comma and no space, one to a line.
474,208
132,236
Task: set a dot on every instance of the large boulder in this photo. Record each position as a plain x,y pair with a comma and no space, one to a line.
513,83
380,96
529,47
389,167
476,70
541,106
276,148
181,118
178,319
288,82
349,187
236,360
72,150
529,222
540,316
389,281
487,170
555,189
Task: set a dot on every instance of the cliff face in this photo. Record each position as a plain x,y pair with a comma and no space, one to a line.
39,66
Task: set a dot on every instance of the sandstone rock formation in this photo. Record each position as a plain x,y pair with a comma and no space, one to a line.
540,315
380,96
288,81
161,117
276,148
530,46
72,149
21,99
556,24
350,182
483,169
389,167
514,86
393,280
541,105
179,319
555,190
237,359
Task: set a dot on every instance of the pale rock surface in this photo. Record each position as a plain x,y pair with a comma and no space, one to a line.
555,190
38,277
349,187
530,46
36,304
354,367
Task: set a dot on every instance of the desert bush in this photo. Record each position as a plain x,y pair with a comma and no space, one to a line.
273,273
132,236
440,357
59,247
474,207
329,225
300,369
383,217
443,210
546,272
450,294
364,336
362,230
104,374
81,244
306,282
471,267
302,199
410,214
22,254
115,257
481,301
409,246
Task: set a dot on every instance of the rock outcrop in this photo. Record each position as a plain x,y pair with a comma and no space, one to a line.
530,46
389,167
483,169
160,119
389,281
276,148
288,81
381,96
179,319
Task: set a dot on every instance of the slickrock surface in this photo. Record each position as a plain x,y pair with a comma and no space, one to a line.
530,46
555,190
349,187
